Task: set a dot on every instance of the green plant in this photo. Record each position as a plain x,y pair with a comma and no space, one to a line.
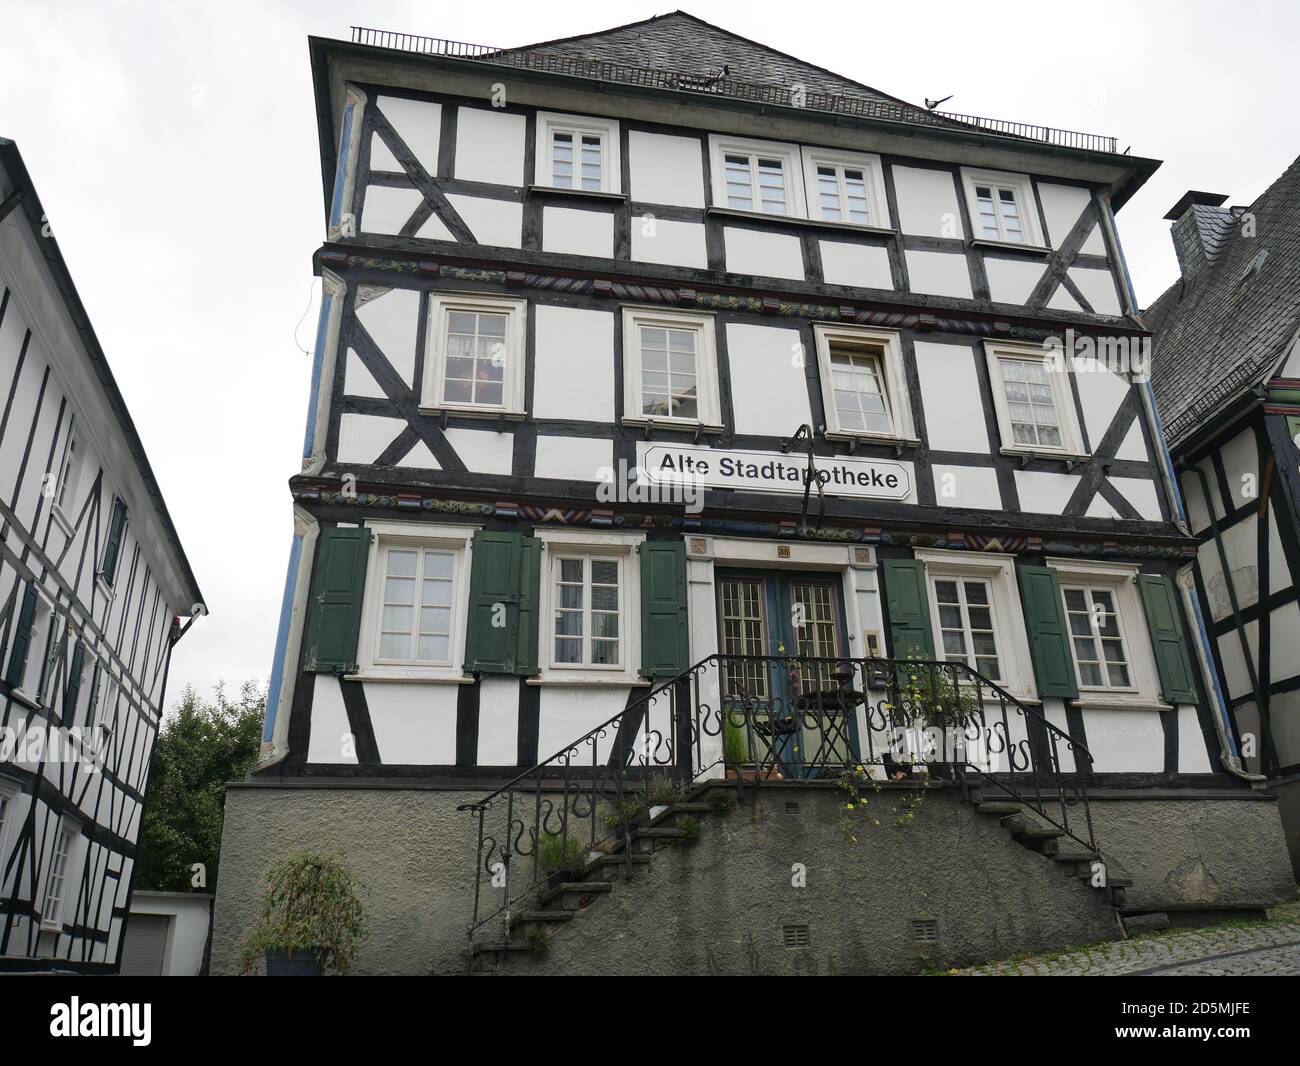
929,695
312,903
665,790
735,747
720,800
690,825
557,852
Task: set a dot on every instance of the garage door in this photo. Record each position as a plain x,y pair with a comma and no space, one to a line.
146,945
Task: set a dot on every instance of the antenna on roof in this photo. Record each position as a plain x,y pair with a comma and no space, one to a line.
930,105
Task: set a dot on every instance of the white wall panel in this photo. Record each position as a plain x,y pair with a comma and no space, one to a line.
413,724
574,377
657,240
1141,492
1125,741
863,266
950,387
1042,492
1012,280
386,210
575,232
329,723
484,451
927,202
665,169
419,124
362,438
393,319
769,255
769,392
938,273
498,721
1062,205
489,146
495,222
567,712
967,486
1098,288
572,458
1100,392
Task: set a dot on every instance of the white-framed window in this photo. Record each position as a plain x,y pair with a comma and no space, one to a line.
976,617
1034,400
845,187
68,482
475,354
1111,647
577,152
8,817
670,368
413,613
590,607
1002,207
864,384
59,884
763,177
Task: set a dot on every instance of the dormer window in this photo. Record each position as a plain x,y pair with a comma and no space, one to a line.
1002,207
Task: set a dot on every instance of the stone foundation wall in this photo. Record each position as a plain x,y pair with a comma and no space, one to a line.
719,905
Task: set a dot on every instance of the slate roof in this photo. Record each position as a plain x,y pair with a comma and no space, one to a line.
1224,332
680,41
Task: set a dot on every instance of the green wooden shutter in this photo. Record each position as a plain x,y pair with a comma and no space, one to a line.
910,632
1164,623
113,545
503,591
1049,639
337,589
665,649
22,638
73,689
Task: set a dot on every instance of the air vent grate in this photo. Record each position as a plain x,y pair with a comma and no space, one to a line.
925,930
792,808
795,936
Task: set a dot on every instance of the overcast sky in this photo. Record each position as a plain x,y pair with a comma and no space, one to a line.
174,147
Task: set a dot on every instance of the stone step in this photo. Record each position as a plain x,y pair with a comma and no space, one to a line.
573,895
602,866
997,807
1033,831
524,924
689,806
653,833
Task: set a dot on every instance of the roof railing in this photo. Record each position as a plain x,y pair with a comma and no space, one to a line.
725,86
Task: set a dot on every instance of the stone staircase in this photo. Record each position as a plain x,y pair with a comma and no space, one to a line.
679,824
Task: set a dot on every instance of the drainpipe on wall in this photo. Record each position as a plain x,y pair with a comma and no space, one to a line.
1246,653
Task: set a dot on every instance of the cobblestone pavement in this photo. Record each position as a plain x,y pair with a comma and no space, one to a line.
1259,949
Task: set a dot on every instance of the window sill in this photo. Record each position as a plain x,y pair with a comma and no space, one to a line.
576,194
799,222
612,681
474,412
650,424
104,586
1037,251
448,677
870,438
26,700
1034,453
1097,702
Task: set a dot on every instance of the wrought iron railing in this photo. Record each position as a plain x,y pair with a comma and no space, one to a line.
734,88
759,720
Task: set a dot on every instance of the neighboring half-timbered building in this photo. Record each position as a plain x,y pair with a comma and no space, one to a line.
93,587
657,345
1227,378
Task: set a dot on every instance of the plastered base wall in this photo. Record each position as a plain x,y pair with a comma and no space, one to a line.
719,905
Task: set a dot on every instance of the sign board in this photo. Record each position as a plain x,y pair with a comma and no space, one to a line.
726,468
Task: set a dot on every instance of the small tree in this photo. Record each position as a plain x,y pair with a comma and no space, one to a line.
202,745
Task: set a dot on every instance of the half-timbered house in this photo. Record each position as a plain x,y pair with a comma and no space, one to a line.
93,587
1227,378
664,378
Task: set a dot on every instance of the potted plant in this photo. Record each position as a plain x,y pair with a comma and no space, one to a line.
939,708
561,858
311,921
735,753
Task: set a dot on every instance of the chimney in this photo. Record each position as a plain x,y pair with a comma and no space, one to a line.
1200,228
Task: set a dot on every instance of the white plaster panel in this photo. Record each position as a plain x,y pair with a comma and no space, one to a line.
1098,288
665,169
419,124
386,210
1285,640
927,202
1192,756
1063,204
1194,497
567,712
1125,741
495,222
1141,492
420,457
768,390
490,146
939,274
393,320
1134,445
1279,572
1012,280
967,486
498,721
435,229
574,376
950,393
1241,467
357,379
573,458
413,724
1239,544
362,438
381,158
769,255
1061,300
1100,508
484,451
576,232
659,240
1235,678
329,724
863,266
1043,492
1100,392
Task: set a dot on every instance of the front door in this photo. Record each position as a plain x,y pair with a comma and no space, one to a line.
762,617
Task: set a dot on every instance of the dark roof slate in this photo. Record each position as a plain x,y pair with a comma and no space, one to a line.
1223,332
681,42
